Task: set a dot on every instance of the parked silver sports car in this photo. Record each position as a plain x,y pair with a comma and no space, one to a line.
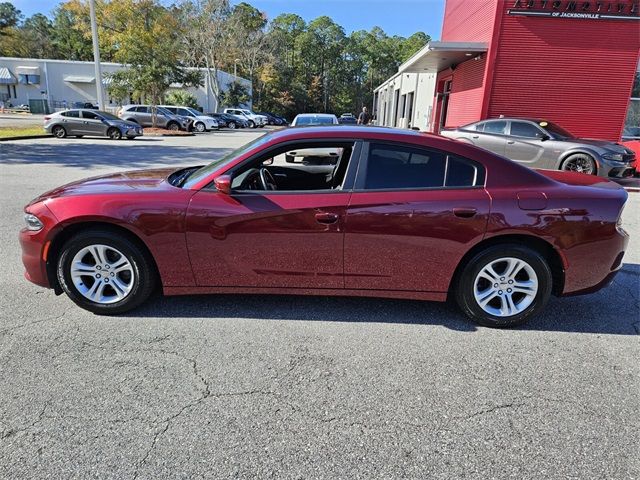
542,144
79,122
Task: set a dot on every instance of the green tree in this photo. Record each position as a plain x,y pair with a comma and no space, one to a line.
235,95
69,41
10,16
181,98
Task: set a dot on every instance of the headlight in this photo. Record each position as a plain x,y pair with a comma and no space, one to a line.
33,223
616,157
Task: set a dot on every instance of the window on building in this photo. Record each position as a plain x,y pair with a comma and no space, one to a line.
498,127
402,167
396,105
25,79
524,129
410,108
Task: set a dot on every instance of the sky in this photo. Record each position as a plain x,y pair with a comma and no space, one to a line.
395,17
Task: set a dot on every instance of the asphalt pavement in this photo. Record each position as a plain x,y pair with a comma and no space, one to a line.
301,387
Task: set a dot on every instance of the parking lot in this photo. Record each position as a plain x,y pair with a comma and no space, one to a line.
301,387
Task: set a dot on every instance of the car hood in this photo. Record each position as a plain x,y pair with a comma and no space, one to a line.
604,144
123,123
124,182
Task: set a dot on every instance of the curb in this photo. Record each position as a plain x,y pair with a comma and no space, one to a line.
24,137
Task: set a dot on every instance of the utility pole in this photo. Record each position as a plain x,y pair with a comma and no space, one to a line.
96,54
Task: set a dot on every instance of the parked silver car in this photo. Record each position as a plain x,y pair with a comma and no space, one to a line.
79,122
141,114
543,144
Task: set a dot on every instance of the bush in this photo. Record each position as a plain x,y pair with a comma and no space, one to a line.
182,98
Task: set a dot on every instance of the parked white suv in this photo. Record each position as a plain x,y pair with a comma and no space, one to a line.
201,122
254,119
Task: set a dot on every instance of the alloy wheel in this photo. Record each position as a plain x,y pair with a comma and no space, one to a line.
505,287
580,164
102,274
200,127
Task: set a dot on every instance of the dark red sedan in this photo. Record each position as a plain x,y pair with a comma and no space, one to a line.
390,214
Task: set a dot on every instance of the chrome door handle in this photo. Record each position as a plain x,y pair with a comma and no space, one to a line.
475,136
327,218
510,142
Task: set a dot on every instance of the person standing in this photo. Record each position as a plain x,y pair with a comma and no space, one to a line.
364,118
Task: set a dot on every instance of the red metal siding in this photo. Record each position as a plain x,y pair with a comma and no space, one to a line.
577,73
468,20
465,100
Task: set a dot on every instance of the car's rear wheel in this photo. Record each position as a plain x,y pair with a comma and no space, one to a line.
504,285
105,272
580,162
200,127
173,126
59,131
231,125
114,133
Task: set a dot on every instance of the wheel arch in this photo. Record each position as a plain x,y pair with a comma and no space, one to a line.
580,151
546,249
68,231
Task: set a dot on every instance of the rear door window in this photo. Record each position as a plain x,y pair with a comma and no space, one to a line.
71,113
498,127
90,116
403,167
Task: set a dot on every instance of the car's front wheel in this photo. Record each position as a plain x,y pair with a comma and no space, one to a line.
231,125
580,162
173,126
114,133
105,272
251,124
200,127
504,285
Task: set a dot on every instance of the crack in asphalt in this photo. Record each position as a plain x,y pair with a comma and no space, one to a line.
34,322
8,433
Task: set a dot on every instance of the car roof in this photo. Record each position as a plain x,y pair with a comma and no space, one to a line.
525,119
315,115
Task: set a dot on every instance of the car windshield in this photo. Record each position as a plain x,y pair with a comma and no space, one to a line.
314,121
203,172
556,130
163,111
109,116
193,111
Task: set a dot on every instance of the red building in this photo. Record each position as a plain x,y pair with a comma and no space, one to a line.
571,62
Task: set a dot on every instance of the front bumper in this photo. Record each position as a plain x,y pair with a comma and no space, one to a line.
35,246
613,169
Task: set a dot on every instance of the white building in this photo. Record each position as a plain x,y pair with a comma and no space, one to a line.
62,83
405,101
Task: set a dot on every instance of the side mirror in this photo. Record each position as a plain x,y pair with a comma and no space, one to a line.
223,184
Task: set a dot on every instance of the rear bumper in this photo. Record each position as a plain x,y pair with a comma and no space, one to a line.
592,267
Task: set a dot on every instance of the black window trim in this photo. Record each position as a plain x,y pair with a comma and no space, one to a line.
349,179
361,174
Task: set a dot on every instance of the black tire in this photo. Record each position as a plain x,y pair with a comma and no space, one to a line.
231,125
131,137
173,126
59,131
200,127
580,162
144,281
114,133
465,285
251,124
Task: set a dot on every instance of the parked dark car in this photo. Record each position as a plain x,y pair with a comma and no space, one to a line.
401,214
82,121
226,120
539,143
88,105
273,119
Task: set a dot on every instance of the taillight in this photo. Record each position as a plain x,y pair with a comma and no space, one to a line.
47,118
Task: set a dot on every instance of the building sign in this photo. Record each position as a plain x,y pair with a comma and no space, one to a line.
576,9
